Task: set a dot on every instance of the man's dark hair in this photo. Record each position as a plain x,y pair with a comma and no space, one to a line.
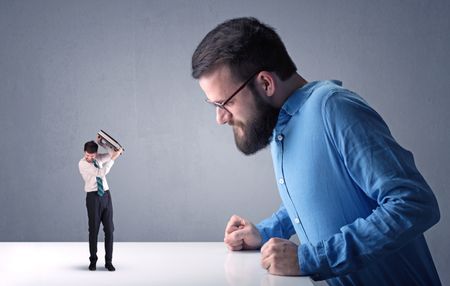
91,147
246,46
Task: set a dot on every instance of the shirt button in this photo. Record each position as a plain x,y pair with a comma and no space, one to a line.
296,220
280,137
281,181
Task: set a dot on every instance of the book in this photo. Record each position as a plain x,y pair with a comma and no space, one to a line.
110,141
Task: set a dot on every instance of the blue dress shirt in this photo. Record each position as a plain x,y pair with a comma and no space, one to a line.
350,192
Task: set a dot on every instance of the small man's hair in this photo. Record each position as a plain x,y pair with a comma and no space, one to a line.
90,147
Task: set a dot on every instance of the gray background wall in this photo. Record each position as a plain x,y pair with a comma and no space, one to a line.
70,68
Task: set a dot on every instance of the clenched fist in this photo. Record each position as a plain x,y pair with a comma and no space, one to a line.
279,257
241,234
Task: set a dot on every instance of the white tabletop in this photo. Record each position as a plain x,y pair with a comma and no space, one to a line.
200,263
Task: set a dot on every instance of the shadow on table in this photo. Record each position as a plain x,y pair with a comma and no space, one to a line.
86,269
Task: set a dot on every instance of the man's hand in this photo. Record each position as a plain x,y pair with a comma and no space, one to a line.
279,257
116,154
99,140
241,234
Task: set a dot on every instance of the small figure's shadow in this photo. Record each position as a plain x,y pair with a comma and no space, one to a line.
86,268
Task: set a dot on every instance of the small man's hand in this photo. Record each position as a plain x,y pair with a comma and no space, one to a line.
116,153
279,257
241,234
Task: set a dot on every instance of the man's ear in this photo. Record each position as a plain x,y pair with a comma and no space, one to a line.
267,83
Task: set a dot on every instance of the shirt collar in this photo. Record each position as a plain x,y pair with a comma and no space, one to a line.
295,101
298,98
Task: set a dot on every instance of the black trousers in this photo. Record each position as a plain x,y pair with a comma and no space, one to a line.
100,209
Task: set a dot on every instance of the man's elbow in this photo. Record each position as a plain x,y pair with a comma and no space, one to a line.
431,213
435,214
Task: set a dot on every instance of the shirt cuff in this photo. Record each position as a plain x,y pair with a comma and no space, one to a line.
313,261
264,236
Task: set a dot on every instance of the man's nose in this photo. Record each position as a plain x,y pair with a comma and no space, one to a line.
222,116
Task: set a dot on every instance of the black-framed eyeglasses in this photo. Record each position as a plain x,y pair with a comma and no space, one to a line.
221,105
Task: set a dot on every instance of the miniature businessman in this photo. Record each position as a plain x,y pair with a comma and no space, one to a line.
93,168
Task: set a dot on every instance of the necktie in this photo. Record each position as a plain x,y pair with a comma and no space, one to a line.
100,190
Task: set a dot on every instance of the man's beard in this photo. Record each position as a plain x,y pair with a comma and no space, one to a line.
255,134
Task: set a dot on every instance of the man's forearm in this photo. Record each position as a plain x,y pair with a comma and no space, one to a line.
277,225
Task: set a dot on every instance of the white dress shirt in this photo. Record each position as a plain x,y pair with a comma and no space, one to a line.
90,173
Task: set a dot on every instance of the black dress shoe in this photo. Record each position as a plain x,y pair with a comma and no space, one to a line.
92,266
110,267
